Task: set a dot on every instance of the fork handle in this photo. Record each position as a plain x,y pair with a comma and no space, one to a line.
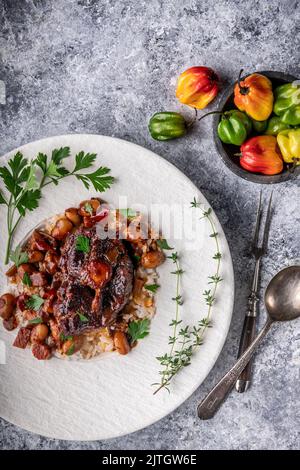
248,335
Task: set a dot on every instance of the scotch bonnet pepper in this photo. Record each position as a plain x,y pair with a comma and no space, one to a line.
254,96
197,87
234,127
167,126
259,126
289,144
275,125
261,155
287,103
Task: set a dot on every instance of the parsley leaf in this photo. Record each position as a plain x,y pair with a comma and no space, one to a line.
82,317
99,179
84,160
163,244
24,183
2,199
26,280
29,200
41,161
71,350
18,168
35,321
18,256
152,287
34,302
88,208
138,329
82,244
128,213
60,154
63,337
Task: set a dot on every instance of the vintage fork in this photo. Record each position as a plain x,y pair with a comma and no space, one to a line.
249,327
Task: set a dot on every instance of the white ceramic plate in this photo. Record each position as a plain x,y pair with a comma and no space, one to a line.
112,395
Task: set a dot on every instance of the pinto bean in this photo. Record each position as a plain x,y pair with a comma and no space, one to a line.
121,342
54,330
50,262
61,229
7,305
41,351
152,259
12,271
137,288
35,256
11,323
29,314
39,333
73,216
40,242
87,211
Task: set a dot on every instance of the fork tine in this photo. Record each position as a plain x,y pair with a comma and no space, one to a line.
257,225
267,225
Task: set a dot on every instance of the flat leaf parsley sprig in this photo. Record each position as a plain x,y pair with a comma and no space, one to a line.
24,181
185,340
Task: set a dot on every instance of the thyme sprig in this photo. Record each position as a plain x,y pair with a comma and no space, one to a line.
185,340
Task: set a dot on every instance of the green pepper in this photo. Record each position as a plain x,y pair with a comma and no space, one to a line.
292,116
275,125
167,126
259,126
234,127
286,97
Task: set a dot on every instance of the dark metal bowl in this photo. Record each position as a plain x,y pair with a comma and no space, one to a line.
227,151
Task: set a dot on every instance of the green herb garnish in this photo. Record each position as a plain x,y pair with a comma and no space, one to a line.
34,302
152,287
82,243
82,317
26,280
24,180
35,321
136,258
88,208
71,350
138,329
128,213
18,256
163,244
63,337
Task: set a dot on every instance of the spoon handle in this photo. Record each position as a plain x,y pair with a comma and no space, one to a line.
211,403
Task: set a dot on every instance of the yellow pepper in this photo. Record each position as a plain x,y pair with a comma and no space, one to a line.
289,144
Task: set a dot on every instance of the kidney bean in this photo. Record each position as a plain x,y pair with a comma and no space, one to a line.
121,342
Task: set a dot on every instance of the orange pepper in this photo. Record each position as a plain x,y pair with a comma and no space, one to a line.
254,96
197,87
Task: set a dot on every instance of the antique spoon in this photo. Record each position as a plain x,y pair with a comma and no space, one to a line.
282,301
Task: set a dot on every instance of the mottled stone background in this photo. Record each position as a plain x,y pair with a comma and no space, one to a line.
104,67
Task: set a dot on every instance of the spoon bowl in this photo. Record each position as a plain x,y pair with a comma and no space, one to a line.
282,297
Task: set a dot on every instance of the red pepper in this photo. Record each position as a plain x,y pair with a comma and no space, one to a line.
94,219
261,155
